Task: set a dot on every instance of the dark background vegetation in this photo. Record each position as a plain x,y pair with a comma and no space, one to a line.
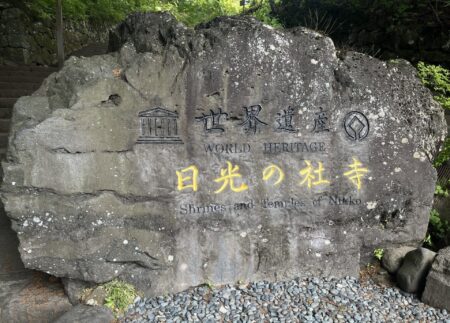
412,29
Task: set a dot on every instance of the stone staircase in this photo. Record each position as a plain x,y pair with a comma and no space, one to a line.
15,81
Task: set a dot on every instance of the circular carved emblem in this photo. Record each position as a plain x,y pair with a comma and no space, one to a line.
356,125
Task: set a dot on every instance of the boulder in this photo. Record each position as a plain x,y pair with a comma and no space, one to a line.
393,258
84,313
412,274
437,287
232,151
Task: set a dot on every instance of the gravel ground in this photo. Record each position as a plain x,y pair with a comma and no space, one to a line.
298,300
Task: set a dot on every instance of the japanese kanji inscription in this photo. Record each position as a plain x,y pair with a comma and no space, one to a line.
311,174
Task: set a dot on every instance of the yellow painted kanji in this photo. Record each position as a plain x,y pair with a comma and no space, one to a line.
193,178
356,172
270,170
312,177
227,176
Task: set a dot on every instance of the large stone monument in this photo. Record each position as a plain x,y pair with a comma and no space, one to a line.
230,152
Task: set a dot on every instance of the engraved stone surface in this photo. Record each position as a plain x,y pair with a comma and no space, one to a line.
230,152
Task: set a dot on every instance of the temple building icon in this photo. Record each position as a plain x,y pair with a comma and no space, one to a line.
159,126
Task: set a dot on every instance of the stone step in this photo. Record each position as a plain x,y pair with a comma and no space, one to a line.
28,68
5,125
6,113
2,158
14,93
19,85
7,103
4,139
22,79
4,221
37,74
10,261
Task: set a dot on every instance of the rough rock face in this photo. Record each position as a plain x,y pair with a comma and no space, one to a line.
437,288
230,152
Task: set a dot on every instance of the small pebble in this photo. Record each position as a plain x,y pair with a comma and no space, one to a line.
298,300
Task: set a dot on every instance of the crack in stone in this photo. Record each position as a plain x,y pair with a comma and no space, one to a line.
64,150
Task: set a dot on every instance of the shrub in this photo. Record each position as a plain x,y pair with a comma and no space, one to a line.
444,155
441,190
437,79
190,12
438,231
119,295
264,13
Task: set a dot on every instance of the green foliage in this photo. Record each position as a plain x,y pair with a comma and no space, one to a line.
119,295
437,79
444,155
438,231
193,12
427,241
439,226
264,13
378,253
190,12
441,190
104,11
